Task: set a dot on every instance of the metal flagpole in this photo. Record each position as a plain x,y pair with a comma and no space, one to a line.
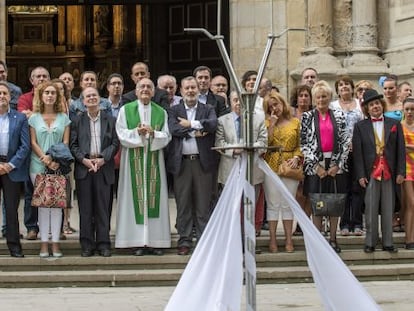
248,101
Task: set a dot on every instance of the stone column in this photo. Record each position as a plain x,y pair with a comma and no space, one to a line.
319,41
3,27
365,50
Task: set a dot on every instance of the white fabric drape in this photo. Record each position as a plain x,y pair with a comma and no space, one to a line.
212,280
213,277
337,286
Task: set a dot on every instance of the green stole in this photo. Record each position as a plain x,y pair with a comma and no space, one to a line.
136,162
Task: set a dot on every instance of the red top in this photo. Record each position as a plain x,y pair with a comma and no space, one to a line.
25,101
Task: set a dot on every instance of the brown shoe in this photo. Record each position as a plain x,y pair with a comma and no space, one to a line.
31,235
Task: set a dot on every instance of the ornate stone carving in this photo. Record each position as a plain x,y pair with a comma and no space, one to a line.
365,35
343,38
319,35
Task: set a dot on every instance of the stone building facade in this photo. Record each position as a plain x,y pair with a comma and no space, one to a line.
364,38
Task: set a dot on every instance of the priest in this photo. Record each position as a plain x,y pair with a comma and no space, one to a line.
143,215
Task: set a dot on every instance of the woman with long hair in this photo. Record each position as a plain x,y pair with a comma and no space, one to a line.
49,125
283,133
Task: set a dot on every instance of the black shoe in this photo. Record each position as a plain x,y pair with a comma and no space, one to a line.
141,252
335,246
409,246
158,252
17,254
87,253
369,249
390,249
105,253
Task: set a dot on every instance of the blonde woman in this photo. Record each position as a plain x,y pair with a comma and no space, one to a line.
324,142
49,125
283,132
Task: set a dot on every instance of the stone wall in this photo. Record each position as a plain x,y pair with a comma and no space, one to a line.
364,39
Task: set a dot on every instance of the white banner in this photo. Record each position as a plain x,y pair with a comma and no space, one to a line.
212,280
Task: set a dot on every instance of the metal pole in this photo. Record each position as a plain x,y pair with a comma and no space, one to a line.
248,101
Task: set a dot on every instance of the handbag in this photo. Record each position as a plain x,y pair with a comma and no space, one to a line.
328,204
49,190
286,171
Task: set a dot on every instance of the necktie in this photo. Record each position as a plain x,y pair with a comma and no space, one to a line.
377,119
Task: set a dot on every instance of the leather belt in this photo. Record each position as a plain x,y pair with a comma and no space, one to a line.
191,156
3,158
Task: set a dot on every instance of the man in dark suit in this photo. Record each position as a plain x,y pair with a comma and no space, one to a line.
93,142
379,163
14,165
192,162
203,77
138,71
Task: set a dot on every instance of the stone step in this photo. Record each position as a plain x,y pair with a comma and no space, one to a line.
170,277
71,245
173,261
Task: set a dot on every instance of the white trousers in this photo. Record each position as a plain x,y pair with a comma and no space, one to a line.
50,221
276,204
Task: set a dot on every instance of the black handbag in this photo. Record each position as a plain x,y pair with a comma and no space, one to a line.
328,204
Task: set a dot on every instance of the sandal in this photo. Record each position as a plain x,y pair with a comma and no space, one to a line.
335,246
71,228
67,230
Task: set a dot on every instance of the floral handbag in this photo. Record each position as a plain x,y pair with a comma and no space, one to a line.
49,191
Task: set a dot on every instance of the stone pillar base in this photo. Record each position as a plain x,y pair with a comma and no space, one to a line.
366,63
323,61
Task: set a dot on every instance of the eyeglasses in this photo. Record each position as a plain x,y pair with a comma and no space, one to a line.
115,83
361,89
